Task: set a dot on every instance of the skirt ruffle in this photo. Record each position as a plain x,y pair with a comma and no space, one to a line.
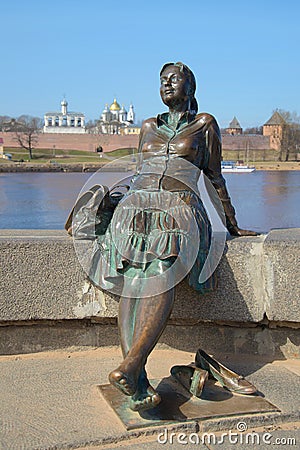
154,225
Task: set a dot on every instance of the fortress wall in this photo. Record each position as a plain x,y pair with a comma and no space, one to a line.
89,142
245,141
86,142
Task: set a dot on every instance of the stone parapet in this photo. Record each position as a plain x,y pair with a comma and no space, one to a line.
282,275
41,280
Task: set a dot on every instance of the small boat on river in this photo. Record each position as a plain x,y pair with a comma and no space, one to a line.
233,167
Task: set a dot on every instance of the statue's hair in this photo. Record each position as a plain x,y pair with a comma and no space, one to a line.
191,77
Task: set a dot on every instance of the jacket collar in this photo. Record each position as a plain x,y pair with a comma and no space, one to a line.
186,118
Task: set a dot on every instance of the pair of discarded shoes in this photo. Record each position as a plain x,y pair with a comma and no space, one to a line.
193,377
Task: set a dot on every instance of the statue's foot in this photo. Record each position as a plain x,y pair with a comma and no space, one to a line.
145,397
122,381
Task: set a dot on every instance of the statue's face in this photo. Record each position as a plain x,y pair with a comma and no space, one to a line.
174,86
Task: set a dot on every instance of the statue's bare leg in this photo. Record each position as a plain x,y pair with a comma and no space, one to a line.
141,322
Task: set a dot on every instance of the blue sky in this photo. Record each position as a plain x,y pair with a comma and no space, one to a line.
245,55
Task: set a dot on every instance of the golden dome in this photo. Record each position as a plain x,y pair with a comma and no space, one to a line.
115,106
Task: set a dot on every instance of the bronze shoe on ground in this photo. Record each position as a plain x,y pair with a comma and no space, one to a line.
191,377
226,377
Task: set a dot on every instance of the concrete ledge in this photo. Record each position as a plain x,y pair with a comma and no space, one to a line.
260,340
282,274
41,280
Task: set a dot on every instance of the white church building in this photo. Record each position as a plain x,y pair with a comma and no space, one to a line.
115,119
64,121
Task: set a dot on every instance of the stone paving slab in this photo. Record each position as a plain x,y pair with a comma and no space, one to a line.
178,405
279,439
253,439
51,400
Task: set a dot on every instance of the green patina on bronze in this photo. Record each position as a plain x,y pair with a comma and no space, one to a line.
178,135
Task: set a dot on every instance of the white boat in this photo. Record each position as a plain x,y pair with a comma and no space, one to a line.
232,167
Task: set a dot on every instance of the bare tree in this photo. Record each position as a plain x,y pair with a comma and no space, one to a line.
3,121
254,130
290,140
90,126
26,132
289,116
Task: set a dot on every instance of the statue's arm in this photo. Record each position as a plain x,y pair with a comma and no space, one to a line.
213,172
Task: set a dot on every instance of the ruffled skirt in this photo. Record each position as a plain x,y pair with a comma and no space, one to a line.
155,239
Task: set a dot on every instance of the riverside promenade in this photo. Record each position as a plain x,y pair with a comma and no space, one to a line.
50,400
59,341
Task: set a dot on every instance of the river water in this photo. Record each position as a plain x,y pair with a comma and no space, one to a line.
263,200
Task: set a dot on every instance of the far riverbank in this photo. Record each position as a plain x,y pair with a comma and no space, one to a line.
93,167
276,165
62,167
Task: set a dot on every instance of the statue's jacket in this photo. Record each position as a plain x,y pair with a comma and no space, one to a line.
161,227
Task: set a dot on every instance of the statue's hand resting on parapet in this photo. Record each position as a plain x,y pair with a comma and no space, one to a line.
236,231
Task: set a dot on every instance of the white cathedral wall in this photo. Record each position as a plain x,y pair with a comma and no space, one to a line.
62,130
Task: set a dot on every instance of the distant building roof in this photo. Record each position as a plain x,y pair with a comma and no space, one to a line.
275,119
115,106
234,123
64,111
59,113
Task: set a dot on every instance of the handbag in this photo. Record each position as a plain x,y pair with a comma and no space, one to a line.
93,211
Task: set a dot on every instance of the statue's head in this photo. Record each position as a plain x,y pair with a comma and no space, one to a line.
178,84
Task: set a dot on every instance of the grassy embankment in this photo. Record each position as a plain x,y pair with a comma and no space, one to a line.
275,165
46,156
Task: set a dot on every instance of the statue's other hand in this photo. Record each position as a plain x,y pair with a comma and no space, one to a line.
236,231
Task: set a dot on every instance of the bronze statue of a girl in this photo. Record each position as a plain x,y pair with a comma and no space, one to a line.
158,219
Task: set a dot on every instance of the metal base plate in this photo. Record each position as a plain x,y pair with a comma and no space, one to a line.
178,405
